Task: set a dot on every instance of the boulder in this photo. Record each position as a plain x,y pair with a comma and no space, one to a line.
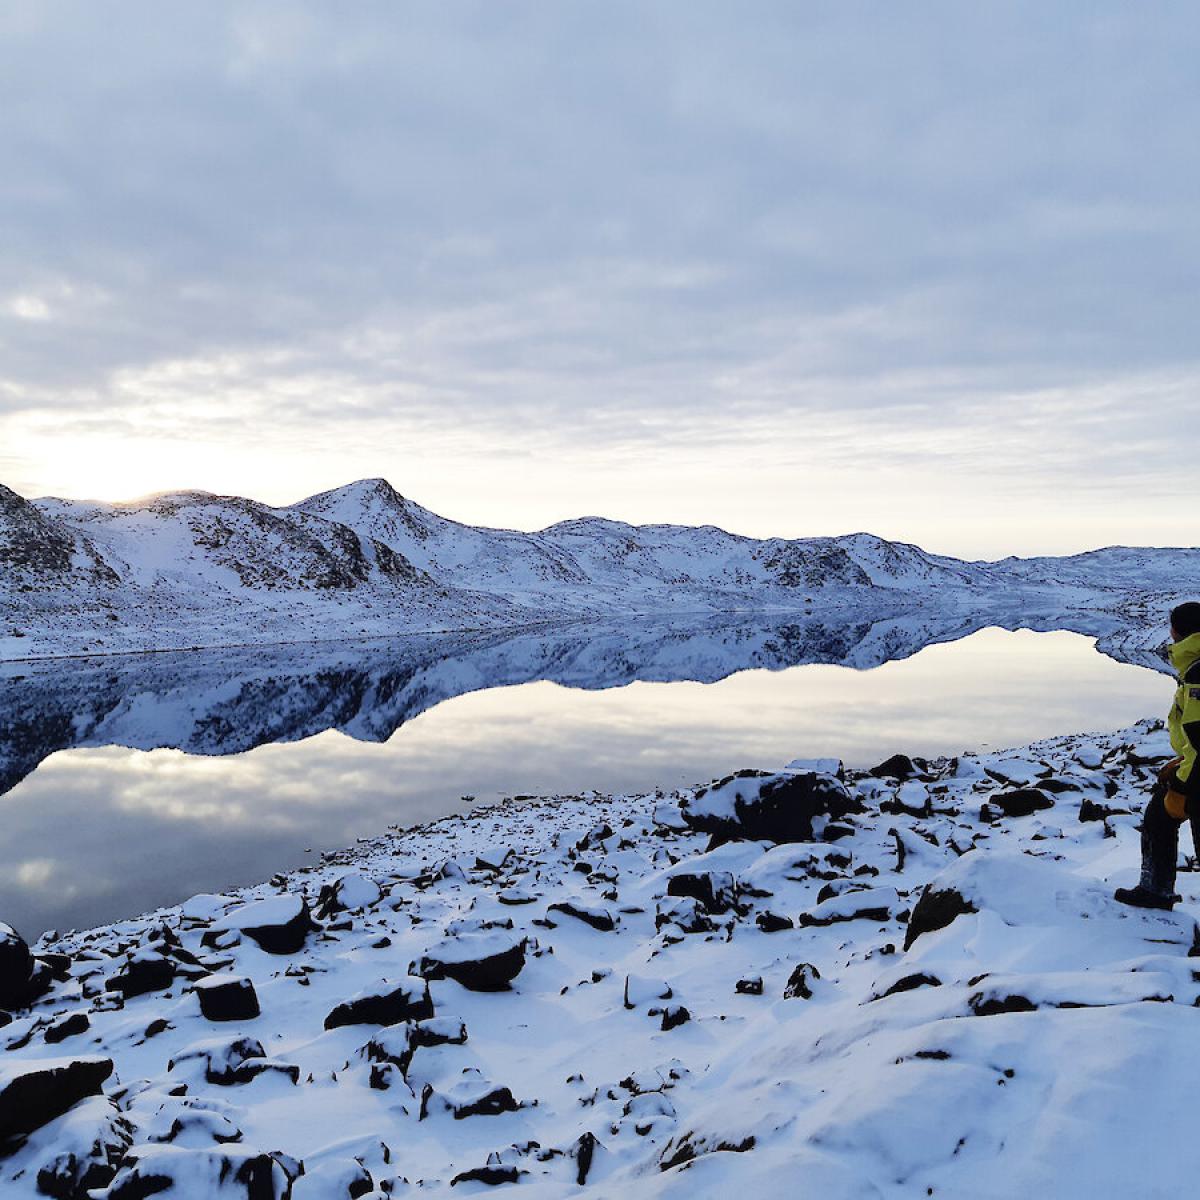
23,978
16,963
143,971
68,1025
224,1171
715,890
1021,802
673,1016
279,924
229,1061
227,998
384,1004
757,806
770,922
799,984
333,1179
83,1149
32,1093
589,914
351,893
899,767
936,907
484,962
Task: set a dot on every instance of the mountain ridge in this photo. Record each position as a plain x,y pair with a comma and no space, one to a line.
195,568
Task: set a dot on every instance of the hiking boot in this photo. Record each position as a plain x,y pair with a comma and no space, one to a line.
1143,897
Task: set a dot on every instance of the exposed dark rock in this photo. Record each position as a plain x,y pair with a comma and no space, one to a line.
770,922
227,998
406,1001
285,932
691,1146
69,1026
87,1151
1089,810
349,894
776,808
899,767
241,1175
1021,802
489,1175
32,1093
673,1016
233,1061
485,964
144,971
799,984
22,977
584,1152
935,909
983,1005
752,986
597,918
910,983
715,890
492,1103
1057,786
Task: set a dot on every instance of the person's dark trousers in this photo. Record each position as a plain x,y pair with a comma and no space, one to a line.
1160,842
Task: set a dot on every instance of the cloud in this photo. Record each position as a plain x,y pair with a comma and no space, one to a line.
958,236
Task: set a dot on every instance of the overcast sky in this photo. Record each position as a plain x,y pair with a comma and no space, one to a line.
929,270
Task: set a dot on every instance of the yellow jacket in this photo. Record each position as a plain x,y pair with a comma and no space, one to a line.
1183,722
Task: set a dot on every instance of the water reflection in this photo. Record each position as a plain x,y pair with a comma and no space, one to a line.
294,749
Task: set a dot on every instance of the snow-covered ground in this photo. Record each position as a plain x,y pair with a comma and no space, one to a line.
904,984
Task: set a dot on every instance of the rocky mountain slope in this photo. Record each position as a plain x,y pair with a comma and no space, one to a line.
194,569
908,982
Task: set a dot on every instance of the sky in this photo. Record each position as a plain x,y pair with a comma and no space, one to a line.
925,270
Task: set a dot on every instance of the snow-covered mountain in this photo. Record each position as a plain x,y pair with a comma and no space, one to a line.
194,569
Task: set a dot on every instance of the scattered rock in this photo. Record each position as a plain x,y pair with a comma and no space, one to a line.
148,1170
799,984
144,971
756,806
935,909
278,924
770,922
32,1093
353,892
385,1004
67,1026
589,914
87,1143
1021,802
480,962
899,767
715,890
227,998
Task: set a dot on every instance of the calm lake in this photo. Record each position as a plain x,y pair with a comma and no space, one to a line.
134,782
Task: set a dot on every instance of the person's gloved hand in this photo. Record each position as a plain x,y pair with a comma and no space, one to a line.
1176,804
1165,770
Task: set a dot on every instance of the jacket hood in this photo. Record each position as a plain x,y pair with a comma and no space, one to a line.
1185,652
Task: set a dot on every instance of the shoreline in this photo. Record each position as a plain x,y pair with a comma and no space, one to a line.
338,1023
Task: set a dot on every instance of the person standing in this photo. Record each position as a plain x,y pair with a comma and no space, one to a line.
1176,795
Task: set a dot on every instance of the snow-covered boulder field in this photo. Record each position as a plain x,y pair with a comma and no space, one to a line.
919,987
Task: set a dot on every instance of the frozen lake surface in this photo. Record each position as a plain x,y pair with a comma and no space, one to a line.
250,761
